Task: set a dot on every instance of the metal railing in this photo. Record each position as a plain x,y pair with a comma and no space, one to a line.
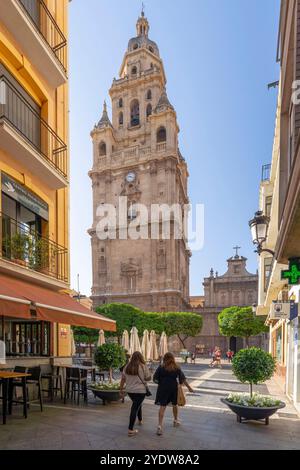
26,247
46,25
16,110
266,172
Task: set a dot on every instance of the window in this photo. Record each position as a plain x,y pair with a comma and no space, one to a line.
27,338
132,213
268,206
134,70
149,95
291,149
121,119
151,49
102,148
121,103
161,135
149,110
135,46
135,113
267,271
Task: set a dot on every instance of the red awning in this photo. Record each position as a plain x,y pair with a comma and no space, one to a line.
18,297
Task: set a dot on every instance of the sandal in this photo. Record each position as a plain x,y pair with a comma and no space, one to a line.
132,433
176,423
159,431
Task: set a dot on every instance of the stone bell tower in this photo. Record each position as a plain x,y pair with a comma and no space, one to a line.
136,155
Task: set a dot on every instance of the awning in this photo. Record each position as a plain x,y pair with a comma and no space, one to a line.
18,298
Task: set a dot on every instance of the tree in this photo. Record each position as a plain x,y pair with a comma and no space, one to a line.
125,315
182,324
254,366
240,321
110,356
85,335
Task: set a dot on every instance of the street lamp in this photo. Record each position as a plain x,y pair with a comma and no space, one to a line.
259,230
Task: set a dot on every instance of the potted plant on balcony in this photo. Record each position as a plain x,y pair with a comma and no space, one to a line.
253,366
39,255
109,356
17,248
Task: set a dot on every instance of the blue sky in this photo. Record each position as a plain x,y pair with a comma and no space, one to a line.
219,56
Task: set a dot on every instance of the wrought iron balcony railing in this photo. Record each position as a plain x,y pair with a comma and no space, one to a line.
46,25
16,110
26,247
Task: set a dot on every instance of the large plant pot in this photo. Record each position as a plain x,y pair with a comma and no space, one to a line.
106,396
248,413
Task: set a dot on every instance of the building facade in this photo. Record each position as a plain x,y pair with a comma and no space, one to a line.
34,172
237,287
136,156
279,199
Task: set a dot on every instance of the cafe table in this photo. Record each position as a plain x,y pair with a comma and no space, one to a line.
6,377
91,369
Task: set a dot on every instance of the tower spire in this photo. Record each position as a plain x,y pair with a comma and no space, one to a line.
142,25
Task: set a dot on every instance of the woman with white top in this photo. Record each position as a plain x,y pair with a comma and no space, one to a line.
135,375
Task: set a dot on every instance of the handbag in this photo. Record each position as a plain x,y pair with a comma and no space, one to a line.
181,400
148,393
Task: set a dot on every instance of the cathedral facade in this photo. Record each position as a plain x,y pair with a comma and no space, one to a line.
136,156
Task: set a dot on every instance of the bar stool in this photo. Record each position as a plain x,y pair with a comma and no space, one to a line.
54,382
18,383
77,380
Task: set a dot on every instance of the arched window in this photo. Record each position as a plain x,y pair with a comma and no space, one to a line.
121,103
135,113
149,110
151,49
134,70
102,148
135,46
149,95
121,119
161,135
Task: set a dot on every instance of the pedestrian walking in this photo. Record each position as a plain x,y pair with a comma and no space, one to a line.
229,355
134,377
168,376
193,357
216,360
213,354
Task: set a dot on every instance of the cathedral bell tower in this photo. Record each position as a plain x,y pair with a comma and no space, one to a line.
136,155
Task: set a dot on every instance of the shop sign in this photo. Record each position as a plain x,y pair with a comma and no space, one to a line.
280,310
21,194
64,332
293,273
294,310
284,310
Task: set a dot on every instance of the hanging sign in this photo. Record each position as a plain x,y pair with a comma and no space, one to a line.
280,310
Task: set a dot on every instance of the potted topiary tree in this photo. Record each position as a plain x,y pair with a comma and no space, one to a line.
253,366
109,356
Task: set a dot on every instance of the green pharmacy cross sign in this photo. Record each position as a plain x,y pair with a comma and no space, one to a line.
293,273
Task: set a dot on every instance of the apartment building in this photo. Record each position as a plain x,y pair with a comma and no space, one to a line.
36,311
276,227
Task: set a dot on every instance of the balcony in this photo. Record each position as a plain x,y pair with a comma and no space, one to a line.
29,250
266,172
32,25
26,137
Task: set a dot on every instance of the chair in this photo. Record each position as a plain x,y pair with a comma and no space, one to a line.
35,379
14,384
77,379
51,373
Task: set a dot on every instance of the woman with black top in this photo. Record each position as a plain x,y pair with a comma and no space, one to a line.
167,377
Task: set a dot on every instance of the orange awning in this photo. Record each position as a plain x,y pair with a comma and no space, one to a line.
18,297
